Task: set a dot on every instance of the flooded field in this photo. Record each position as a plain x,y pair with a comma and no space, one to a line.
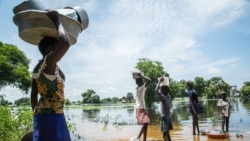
118,123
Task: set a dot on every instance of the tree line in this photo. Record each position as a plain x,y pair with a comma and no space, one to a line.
14,72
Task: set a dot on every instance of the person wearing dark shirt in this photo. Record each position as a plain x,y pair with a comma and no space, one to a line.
193,101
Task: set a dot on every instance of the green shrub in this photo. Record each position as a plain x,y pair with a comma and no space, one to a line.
14,123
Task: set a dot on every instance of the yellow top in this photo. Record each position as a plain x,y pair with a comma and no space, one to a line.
51,92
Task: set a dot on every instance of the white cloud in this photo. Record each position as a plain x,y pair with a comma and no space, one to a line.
120,32
213,71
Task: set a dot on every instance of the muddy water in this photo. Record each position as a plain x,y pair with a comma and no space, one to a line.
117,123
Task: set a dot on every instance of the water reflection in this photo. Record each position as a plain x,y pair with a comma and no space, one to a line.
118,122
90,115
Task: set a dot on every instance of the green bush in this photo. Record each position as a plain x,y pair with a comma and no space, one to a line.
14,123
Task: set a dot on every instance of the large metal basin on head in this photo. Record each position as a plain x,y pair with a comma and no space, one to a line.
33,23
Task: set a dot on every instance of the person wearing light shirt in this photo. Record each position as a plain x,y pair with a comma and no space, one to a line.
225,107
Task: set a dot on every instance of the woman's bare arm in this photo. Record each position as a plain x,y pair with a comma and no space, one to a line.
34,95
61,47
147,79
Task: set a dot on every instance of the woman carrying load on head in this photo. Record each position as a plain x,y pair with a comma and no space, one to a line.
142,117
49,123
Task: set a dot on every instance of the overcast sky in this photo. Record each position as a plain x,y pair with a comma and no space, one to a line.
190,37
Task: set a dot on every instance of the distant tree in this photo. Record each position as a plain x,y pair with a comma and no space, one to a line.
87,95
79,102
129,97
247,83
115,99
14,67
123,99
67,102
106,100
95,99
199,85
23,101
216,86
152,69
177,89
245,90
90,97
2,100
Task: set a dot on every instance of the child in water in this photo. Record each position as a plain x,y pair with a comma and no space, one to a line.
224,106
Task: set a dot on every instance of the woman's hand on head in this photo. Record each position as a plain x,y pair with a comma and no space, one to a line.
139,74
162,79
53,15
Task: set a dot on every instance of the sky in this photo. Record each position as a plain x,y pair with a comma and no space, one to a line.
190,38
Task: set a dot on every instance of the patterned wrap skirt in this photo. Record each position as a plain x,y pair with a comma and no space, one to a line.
142,116
50,127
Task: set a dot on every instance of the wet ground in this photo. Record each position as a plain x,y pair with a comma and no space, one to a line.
180,133
118,123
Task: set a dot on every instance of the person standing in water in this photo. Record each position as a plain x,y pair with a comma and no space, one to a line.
225,107
47,92
141,111
162,90
193,101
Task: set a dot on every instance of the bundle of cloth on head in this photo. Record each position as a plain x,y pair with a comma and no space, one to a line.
165,80
136,73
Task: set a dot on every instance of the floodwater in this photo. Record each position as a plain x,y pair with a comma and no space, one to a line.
118,123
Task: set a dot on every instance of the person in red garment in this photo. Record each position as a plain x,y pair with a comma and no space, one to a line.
141,111
49,123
